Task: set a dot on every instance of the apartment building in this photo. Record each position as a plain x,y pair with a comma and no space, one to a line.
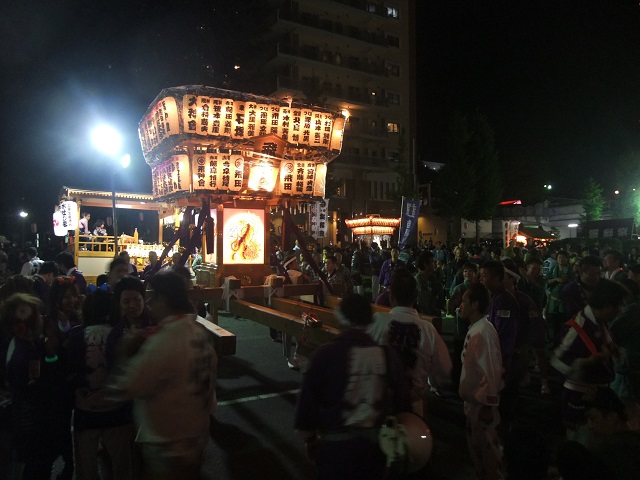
358,57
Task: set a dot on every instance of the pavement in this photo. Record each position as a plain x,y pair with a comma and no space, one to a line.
252,433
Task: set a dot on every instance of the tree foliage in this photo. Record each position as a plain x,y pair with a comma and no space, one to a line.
627,203
593,201
470,182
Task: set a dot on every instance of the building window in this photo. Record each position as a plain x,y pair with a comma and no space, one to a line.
341,190
393,127
393,12
372,8
393,41
393,98
392,69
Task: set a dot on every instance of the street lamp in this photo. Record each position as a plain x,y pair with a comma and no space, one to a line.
23,215
108,141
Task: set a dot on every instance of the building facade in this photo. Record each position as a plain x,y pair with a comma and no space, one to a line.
357,57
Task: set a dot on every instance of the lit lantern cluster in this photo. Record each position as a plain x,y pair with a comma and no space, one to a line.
207,140
373,225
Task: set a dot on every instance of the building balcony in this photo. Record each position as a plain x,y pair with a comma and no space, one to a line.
363,160
284,82
336,59
363,4
362,131
338,28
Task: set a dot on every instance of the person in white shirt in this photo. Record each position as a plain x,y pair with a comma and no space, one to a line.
423,352
33,263
172,379
480,384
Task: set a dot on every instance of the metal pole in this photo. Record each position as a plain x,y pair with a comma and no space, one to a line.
113,214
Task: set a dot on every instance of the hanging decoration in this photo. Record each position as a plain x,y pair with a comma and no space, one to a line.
58,229
69,212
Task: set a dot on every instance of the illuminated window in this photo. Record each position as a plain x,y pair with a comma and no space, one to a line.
393,127
393,12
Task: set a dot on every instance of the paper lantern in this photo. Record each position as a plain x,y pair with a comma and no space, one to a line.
262,176
58,229
320,180
69,211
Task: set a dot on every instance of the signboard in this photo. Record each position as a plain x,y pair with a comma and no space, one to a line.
243,237
616,228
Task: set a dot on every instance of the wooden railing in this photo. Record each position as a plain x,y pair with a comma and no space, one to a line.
96,244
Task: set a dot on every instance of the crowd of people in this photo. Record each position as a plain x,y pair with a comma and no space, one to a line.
547,312
100,377
519,313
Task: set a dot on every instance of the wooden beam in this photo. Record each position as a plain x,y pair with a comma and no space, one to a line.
296,308
284,322
224,341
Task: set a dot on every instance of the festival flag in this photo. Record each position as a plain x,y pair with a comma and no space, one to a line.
408,220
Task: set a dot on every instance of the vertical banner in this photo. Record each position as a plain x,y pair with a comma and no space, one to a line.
323,217
318,218
313,219
408,220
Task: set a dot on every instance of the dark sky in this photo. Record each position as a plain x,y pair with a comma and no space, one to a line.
558,80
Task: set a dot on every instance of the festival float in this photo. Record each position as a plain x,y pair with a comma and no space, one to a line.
233,156
221,160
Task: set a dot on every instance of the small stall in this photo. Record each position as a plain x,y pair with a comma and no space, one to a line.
533,233
373,228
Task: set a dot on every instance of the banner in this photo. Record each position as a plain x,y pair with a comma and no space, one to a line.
318,218
408,220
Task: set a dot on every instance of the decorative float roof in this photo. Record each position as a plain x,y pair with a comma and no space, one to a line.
199,139
373,225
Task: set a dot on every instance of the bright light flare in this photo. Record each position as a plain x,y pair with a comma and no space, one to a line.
106,139
23,214
125,160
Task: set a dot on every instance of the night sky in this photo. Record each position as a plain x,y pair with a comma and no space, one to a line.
557,79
